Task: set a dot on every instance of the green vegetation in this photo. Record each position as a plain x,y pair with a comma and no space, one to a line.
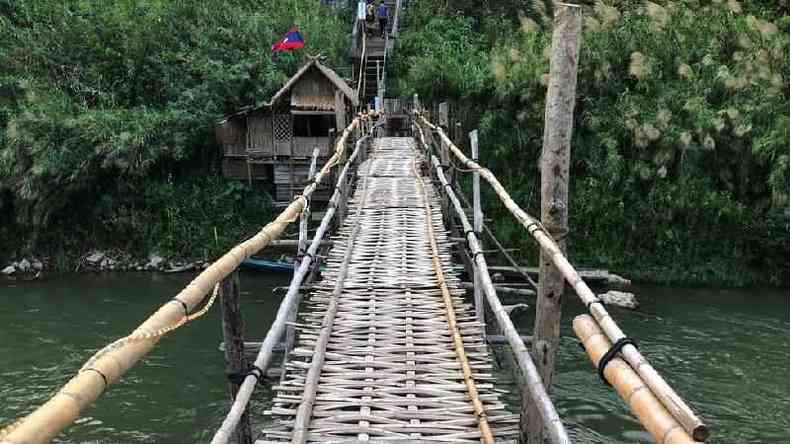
681,151
107,112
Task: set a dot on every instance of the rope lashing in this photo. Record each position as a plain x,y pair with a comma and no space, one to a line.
142,336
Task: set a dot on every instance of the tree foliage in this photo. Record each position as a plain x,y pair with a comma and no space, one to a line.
96,93
681,143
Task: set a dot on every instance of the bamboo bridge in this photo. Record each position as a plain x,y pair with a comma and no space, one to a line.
384,346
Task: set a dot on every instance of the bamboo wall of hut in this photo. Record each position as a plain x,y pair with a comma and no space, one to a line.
273,142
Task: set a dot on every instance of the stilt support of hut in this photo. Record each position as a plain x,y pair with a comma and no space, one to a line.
555,162
233,335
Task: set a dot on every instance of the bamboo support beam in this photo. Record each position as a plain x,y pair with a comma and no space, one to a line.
671,400
651,412
532,382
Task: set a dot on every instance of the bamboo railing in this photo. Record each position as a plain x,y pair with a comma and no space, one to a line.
532,380
110,363
291,300
673,403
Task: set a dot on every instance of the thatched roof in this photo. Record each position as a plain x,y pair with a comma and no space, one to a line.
331,75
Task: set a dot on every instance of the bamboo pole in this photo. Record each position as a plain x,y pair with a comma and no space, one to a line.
305,410
532,381
651,413
479,409
478,226
233,337
671,400
109,364
554,172
263,359
304,219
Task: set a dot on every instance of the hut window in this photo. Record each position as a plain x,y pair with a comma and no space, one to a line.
313,125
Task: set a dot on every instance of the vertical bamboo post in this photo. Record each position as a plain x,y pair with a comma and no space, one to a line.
555,162
301,249
478,227
342,204
233,336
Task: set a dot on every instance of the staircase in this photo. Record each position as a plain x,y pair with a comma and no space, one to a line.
375,54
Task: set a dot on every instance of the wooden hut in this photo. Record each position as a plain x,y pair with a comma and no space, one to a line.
274,141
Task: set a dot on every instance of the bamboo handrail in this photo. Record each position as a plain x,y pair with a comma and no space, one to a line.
532,380
671,400
110,363
225,433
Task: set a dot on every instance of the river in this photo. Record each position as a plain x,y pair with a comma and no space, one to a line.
726,351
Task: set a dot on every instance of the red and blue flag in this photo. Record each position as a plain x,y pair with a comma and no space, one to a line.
292,40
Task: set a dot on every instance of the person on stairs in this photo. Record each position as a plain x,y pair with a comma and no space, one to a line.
370,17
383,14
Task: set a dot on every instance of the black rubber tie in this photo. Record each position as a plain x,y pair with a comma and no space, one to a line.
611,354
183,304
474,256
103,376
239,377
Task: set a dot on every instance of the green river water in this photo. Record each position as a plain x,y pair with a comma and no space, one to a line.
726,351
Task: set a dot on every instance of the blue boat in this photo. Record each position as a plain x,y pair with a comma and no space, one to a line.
261,264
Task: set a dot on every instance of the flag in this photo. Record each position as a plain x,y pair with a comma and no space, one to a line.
292,40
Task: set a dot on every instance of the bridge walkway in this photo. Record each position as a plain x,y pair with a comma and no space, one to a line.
376,358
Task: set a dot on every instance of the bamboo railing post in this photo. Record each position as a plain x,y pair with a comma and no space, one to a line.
554,168
304,221
233,336
478,227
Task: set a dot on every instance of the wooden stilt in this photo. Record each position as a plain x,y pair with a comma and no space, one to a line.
555,162
233,336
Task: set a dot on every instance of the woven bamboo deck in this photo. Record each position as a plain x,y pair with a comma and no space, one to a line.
376,329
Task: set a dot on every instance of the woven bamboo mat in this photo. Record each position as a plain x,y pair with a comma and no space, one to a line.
390,372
